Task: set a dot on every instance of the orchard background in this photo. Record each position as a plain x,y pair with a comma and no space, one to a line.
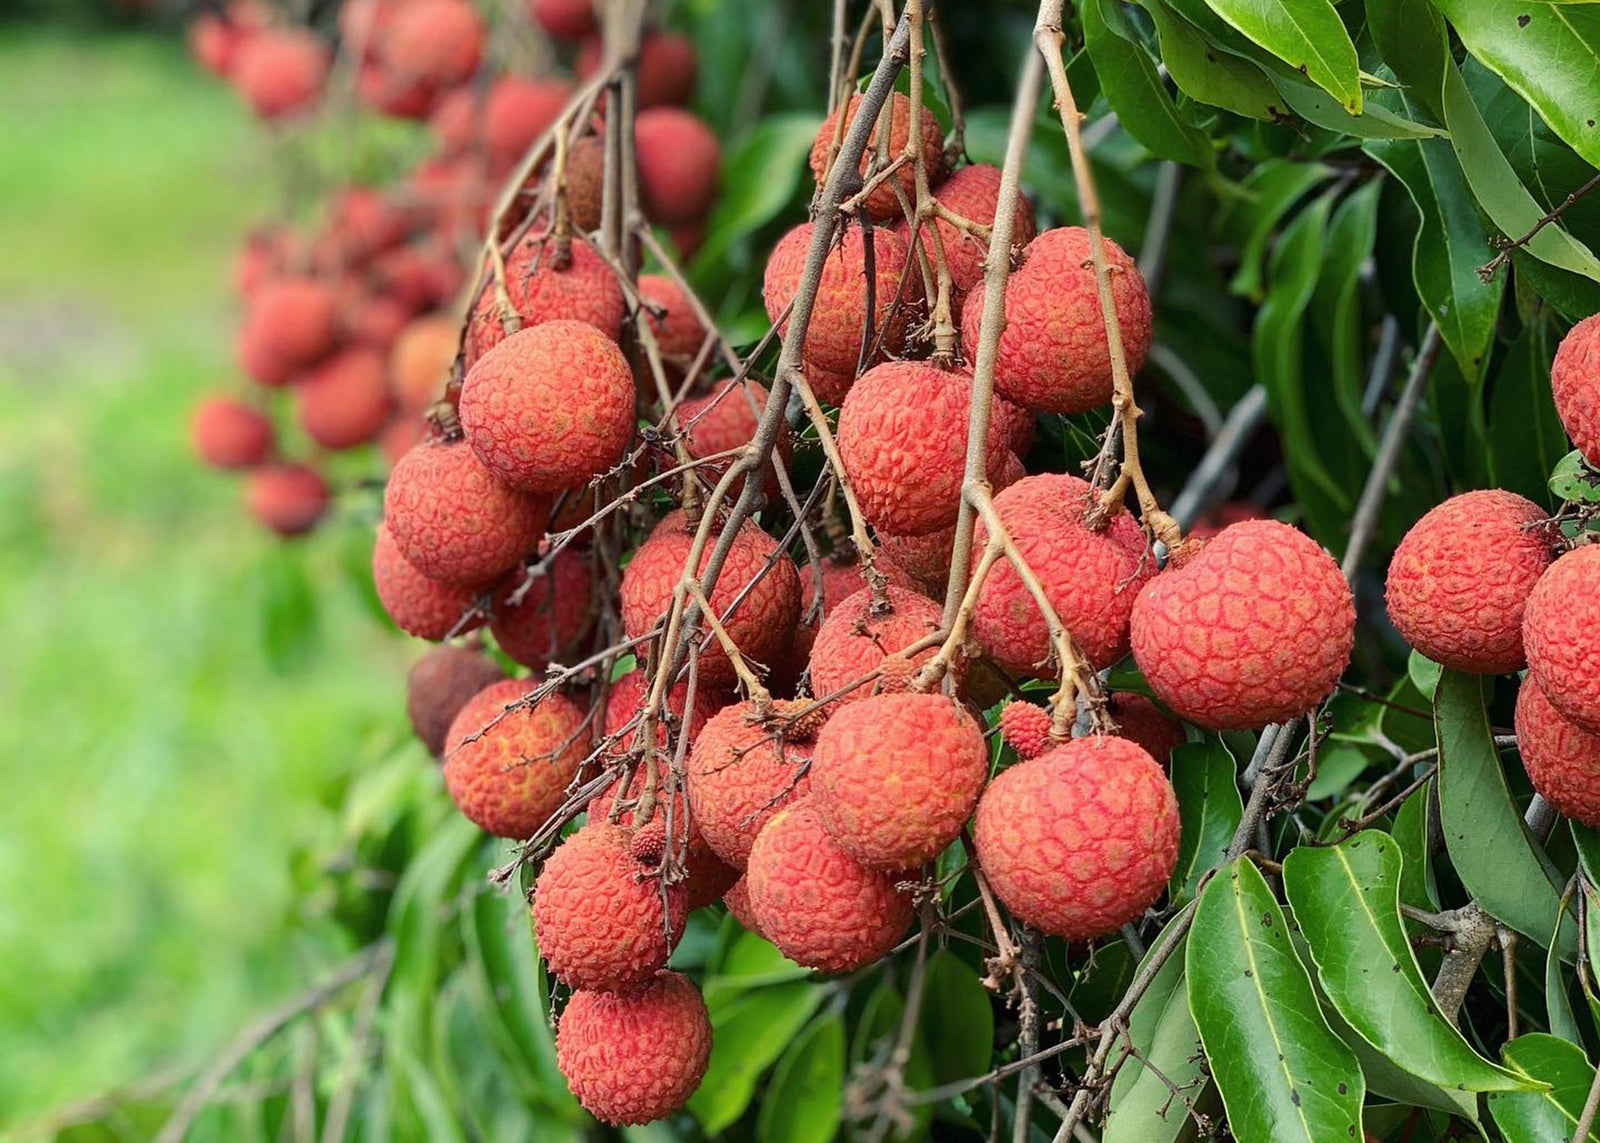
237,900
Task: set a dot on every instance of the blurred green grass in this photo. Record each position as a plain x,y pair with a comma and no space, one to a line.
161,759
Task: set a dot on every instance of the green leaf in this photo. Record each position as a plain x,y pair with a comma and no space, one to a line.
759,176
433,878
1375,121
751,962
1268,192
1417,886
1208,72
1283,1074
1346,899
806,1096
290,613
1573,479
1204,775
1412,39
957,1019
1305,34
1130,83
1548,53
1525,437
1558,1005
747,1036
1543,1116
1337,310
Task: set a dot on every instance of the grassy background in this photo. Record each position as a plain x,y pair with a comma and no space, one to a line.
182,698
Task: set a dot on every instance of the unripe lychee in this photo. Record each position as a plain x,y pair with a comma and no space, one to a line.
280,71
345,400
1575,384
678,158
638,1057
819,905
288,498
598,916
677,330
230,434
1562,758
434,42
903,441
294,319
764,622
419,363
1079,841
453,520
553,615
881,201
725,420
516,112
740,773
853,642
668,68
439,684
418,605
507,766
1090,577
895,777
1461,577
972,192
1053,354
1026,729
550,406
541,291
1140,720
1561,632
565,19
1256,628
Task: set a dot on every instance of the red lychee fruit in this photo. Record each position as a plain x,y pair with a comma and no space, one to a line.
550,406
853,642
1026,729
418,605
598,916
668,68
439,684
365,222
1079,841
1228,512
214,42
374,320
1461,577
345,400
586,169
1090,577
288,498
432,42
927,558
294,321
740,772
541,291
830,387
419,363
1254,629
454,121
705,876
565,19
895,777
507,766
281,71
1562,758
638,1057
881,201
1053,355
453,520
725,420
903,441
1561,632
230,434
678,159
677,330
553,616
517,112
737,899
625,702
764,622
840,580
819,905
972,192
1140,720
1575,384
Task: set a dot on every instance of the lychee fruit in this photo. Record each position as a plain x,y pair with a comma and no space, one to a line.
706,877
583,290
1080,840
586,169
637,1057
453,520
281,71
1254,629
668,68
345,400
230,434
1562,758
294,321
678,158
288,498
626,698
439,684
726,420
895,777
740,772
677,330
1561,632
516,112
1462,575
507,766
598,916
973,193
737,899
549,622
418,605
841,578
853,642
432,42
364,222
1140,720
819,905
881,201
1026,729
419,363
1053,353
214,41
1575,384
565,19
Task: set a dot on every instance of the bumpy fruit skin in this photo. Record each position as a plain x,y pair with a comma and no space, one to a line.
453,520
1026,729
903,440
740,774
439,684
419,363
678,333
1091,578
1461,577
678,160
636,1058
586,170
763,624
852,642
737,899
881,202
565,19
927,558
1140,720
972,192
895,777
516,112
513,773
584,290
345,400
288,498
1561,631
628,693
549,407
1080,840
1256,628
668,67
1575,384
1562,759
553,616
819,905
293,320
1053,355
418,605
433,42
281,71
597,920
724,420
230,434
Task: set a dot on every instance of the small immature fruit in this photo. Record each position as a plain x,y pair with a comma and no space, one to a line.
725,420
433,42
1461,577
584,289
677,331
553,615
881,201
853,642
345,401
419,363
1140,720
230,434
453,520
288,498
508,768
972,192
281,71
819,905
550,406
1575,384
635,1058
598,918
1254,629
678,159
1053,355
418,605
1026,729
516,112
439,684
740,773
293,320
1562,758
1080,840
895,777
1561,631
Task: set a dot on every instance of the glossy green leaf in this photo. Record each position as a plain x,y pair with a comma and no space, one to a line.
1283,1074
804,1101
1130,83
1417,886
760,174
1207,72
1557,1002
1346,899
748,1035
1413,41
1573,479
1543,1116
1268,193
957,1019
1375,121
1204,775
1337,313
1305,34
750,962
1525,437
